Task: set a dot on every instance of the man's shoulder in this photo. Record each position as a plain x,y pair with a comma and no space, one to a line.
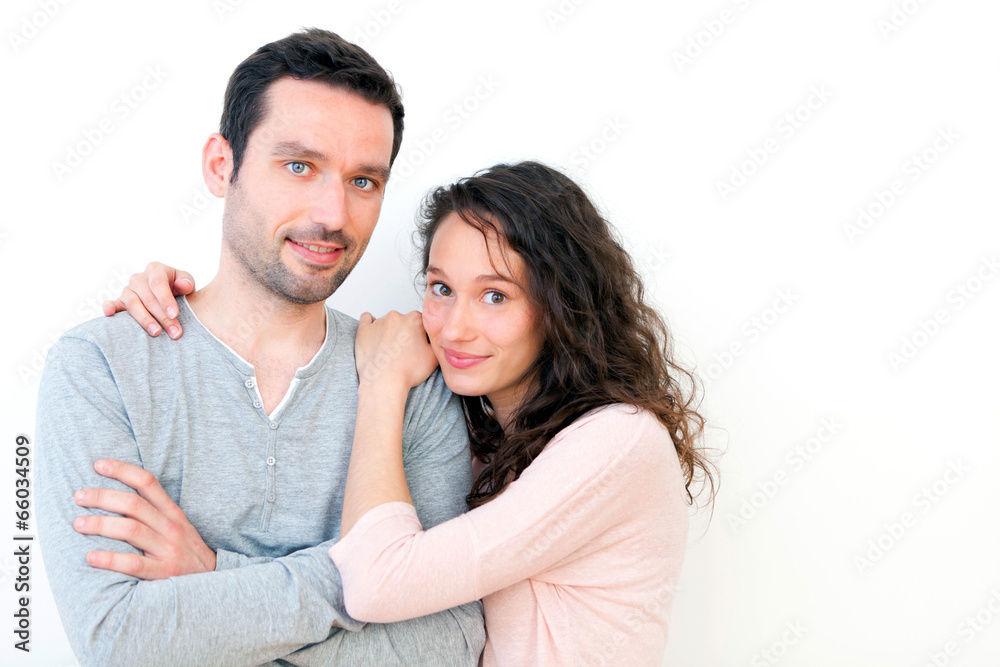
106,333
94,357
116,340
345,326
432,390
431,406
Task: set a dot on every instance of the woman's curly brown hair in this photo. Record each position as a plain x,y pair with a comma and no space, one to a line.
603,343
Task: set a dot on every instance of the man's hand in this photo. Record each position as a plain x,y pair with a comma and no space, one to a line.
150,522
150,295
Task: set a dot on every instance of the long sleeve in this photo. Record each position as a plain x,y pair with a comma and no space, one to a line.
438,474
591,477
451,637
238,616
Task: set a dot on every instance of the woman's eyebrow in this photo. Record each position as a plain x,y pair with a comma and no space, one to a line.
484,278
493,277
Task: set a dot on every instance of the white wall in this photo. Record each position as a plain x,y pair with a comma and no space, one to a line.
839,543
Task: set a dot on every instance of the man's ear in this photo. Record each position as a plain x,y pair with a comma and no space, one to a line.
217,164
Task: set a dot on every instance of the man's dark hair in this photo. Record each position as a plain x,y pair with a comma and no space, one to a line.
312,54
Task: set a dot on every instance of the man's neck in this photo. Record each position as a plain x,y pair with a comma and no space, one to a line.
261,327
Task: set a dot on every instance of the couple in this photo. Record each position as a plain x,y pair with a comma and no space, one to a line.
294,510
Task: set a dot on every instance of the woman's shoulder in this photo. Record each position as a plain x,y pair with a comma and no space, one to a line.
617,428
621,418
618,442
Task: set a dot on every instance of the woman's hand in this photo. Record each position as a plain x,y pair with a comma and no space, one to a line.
149,298
393,349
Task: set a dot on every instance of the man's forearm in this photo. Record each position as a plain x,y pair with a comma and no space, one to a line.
242,616
289,607
239,617
452,637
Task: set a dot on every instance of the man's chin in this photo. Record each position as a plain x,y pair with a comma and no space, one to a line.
306,297
308,290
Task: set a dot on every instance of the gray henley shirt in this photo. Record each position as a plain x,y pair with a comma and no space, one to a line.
263,491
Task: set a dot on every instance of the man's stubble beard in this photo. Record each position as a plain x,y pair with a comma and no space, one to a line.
262,262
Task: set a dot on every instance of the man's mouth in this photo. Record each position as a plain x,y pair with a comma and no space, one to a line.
313,253
316,248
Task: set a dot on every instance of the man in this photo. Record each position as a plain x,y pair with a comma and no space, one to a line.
247,420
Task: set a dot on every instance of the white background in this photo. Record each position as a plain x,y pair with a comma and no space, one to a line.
821,545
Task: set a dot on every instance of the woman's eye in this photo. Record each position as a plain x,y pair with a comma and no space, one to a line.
298,168
497,297
440,289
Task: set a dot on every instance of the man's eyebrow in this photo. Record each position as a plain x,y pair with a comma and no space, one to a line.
379,171
296,149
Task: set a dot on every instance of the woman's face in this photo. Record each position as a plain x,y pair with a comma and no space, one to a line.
482,327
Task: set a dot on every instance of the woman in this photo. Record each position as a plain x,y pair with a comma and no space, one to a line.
582,431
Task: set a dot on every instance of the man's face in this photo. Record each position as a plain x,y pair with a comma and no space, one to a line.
309,190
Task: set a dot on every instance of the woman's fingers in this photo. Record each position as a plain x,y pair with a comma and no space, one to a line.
393,348
112,307
183,282
166,282
150,298
132,303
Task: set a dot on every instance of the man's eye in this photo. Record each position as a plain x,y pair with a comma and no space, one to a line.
440,289
298,168
496,297
364,183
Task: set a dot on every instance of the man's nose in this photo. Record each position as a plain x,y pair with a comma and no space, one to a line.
330,207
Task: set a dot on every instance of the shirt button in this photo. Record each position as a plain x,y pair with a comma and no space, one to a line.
273,425
270,498
270,460
257,404
249,383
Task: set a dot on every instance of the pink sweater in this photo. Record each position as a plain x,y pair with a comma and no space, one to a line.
576,562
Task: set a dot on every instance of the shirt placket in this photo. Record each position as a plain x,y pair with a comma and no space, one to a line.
270,454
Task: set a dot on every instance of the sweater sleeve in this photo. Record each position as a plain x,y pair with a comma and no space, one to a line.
576,489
